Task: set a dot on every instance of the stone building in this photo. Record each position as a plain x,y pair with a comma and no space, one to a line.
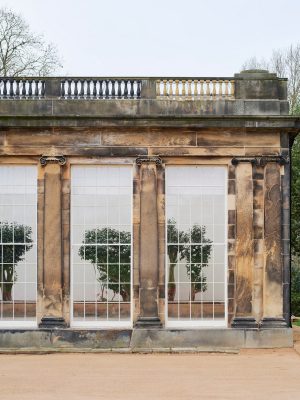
145,212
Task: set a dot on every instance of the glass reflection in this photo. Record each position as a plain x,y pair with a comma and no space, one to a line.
102,242
17,247
195,242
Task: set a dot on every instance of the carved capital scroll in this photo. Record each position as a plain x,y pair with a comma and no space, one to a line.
148,159
44,160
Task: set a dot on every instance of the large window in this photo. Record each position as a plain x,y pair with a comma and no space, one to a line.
196,255
101,198
18,209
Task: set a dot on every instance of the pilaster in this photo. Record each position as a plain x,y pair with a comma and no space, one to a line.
52,307
148,266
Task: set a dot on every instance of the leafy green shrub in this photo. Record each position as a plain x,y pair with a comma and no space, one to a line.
295,288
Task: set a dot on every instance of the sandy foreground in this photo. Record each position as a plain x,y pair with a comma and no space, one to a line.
251,374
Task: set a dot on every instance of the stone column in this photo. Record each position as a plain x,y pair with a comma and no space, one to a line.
272,286
244,247
52,259
148,267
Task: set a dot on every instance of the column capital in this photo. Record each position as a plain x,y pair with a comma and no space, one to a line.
52,159
148,160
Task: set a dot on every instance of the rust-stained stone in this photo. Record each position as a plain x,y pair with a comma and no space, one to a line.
231,277
231,231
52,295
273,268
231,246
258,194
231,172
149,139
257,173
231,186
231,262
238,139
244,240
254,151
148,242
231,217
231,202
258,246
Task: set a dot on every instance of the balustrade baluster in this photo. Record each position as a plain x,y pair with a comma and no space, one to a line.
131,89
214,91
165,87
17,87
183,88
201,88
119,92
226,88
75,88
94,92
138,91
207,87
113,88
220,84
5,88
177,88
82,91
101,89
36,88
125,89
170,87
30,89
232,88
11,88
43,88
189,88
24,88
88,88
195,88
69,88
62,88
107,89
158,88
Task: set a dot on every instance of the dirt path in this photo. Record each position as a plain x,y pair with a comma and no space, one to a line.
255,374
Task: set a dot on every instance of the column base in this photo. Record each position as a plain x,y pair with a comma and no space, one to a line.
244,323
52,322
273,323
148,323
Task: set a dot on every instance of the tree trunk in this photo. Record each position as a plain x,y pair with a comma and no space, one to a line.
193,292
124,295
6,292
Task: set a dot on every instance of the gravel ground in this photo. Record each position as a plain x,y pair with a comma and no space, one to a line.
251,374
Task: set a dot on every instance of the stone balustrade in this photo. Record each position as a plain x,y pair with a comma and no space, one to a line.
187,89
116,88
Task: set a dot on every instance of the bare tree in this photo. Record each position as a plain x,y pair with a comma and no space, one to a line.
286,64
255,63
23,52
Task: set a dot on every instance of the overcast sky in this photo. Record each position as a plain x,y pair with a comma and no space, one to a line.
161,37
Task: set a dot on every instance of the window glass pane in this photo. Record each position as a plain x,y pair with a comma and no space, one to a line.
18,263
195,225
101,243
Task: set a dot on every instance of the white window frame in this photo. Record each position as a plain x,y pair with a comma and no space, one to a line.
198,323
101,324
32,323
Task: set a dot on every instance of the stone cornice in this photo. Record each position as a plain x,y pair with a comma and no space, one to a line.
201,121
261,160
